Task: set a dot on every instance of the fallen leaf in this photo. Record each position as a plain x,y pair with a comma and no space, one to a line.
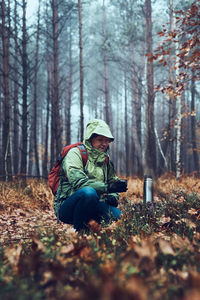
165,247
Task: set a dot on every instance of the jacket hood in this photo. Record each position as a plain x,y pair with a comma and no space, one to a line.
98,127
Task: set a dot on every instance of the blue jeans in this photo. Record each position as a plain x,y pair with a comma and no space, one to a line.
84,205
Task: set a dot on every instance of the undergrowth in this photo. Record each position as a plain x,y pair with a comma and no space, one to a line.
152,252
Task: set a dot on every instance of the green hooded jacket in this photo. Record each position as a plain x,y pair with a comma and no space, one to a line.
96,174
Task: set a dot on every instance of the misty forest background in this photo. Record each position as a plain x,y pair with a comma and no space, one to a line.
72,61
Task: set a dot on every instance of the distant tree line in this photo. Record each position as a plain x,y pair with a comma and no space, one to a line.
100,59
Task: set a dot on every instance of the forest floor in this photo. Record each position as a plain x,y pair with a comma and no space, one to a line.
143,256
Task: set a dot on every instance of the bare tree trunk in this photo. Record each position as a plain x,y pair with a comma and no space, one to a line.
97,108
45,159
69,91
6,124
55,109
150,144
1,125
105,66
35,121
136,116
31,153
127,138
16,97
24,96
193,127
171,139
81,70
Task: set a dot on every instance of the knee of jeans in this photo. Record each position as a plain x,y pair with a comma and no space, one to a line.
117,213
89,192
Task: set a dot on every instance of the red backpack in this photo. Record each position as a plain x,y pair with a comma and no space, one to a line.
54,175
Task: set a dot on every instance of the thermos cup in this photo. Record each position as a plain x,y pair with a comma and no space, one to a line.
148,189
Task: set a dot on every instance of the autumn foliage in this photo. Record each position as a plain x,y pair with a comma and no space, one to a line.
142,256
179,49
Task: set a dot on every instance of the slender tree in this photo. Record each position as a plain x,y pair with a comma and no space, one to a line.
150,145
170,139
35,95
16,128
24,93
48,98
69,85
127,145
105,67
81,69
6,94
193,127
55,103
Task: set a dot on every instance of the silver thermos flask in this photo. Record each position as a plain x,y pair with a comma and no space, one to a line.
148,189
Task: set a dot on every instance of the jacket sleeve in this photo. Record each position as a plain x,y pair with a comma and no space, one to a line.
73,167
112,177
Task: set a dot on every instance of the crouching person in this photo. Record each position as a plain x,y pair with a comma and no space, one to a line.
89,187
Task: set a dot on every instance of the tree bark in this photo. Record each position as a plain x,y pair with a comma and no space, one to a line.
193,127
24,94
69,91
35,120
16,96
81,70
45,159
179,122
150,144
6,95
55,109
136,116
127,144
171,139
105,67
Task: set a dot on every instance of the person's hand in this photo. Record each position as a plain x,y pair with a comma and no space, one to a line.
117,187
111,200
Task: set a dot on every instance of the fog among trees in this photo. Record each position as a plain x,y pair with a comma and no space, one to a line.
133,63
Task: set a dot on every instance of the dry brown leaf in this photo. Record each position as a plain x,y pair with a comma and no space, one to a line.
179,242
137,288
165,247
94,226
146,249
67,249
13,254
37,244
87,254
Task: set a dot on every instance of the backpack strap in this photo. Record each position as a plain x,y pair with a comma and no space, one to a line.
107,160
84,153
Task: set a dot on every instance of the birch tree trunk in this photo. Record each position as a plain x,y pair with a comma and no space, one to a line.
178,138
179,120
171,140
